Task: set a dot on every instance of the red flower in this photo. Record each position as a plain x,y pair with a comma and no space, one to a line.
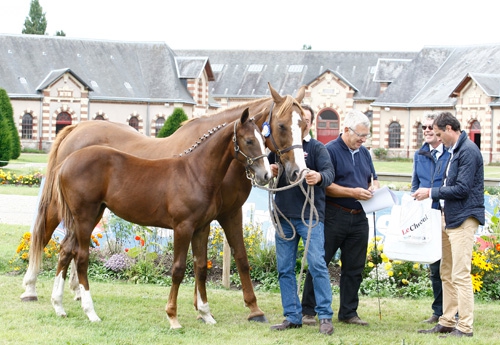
126,250
142,242
498,247
209,264
137,238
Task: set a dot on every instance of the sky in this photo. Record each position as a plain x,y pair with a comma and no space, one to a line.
331,25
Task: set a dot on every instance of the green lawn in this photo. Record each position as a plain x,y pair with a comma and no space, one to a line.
134,314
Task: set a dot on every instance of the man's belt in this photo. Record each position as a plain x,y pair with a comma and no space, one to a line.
345,209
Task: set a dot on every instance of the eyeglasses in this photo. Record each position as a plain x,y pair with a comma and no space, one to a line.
362,136
427,127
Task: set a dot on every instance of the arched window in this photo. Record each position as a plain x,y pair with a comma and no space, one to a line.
134,122
27,127
394,135
420,135
159,124
62,120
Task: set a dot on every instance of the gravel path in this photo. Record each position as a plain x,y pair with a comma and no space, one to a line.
17,209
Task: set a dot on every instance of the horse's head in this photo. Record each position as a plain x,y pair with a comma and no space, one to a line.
250,150
284,132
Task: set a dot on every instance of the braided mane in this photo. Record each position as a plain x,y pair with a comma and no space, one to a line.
201,139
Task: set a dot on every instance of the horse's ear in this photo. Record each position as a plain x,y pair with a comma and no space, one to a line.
301,93
244,116
276,96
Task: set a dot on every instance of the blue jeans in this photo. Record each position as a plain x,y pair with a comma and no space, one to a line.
286,253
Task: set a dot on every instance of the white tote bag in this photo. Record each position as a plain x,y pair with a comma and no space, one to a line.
414,232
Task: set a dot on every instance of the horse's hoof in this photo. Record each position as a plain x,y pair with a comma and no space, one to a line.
29,299
259,318
208,320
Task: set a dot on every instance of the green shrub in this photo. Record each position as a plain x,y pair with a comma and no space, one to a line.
380,153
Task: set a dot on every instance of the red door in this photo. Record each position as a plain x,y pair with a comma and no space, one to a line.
327,126
62,120
475,133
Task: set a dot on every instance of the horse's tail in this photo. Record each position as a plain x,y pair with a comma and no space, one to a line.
63,208
38,238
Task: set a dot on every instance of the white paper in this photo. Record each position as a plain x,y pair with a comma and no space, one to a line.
382,198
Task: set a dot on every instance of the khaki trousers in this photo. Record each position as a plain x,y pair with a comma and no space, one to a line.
458,295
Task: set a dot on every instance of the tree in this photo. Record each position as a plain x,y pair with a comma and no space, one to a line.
8,115
35,23
60,33
173,123
306,47
4,141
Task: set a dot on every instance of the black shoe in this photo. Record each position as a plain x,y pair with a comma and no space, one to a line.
457,334
285,325
437,329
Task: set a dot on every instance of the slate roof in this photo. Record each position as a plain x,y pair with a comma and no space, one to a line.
114,70
245,73
151,71
435,73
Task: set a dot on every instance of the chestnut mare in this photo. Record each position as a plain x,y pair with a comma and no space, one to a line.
186,197
284,117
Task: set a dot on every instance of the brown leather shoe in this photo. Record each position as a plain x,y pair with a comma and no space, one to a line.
432,319
309,320
325,326
355,320
284,325
437,329
457,333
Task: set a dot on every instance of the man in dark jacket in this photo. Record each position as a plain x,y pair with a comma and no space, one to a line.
291,227
463,208
428,169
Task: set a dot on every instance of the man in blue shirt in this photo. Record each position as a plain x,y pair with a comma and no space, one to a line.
290,203
429,164
346,224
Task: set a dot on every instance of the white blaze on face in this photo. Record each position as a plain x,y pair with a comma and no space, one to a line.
297,140
263,151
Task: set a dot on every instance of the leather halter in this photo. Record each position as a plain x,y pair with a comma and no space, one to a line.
279,152
237,150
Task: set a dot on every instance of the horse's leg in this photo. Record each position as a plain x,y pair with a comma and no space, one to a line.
46,223
232,223
181,247
82,265
74,285
199,247
65,256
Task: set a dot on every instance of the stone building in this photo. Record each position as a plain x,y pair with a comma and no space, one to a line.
54,81
395,89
